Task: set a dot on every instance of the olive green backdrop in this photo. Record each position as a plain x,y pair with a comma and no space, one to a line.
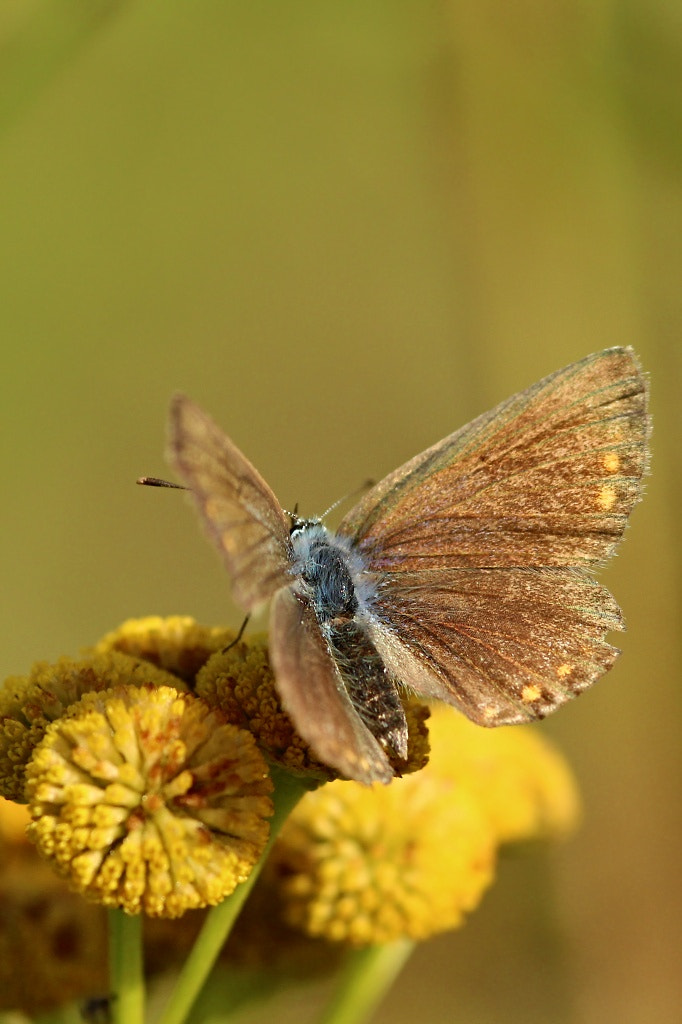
346,229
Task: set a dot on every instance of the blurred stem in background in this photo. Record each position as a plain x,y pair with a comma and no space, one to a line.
367,976
39,49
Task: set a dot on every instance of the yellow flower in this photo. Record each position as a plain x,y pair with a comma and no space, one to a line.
156,800
518,778
177,644
366,865
146,799
29,703
241,683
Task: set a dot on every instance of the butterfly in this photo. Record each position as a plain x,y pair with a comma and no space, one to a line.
464,575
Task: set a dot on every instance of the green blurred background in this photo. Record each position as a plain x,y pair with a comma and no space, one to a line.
346,229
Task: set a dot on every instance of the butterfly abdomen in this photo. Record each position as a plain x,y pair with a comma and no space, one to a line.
369,684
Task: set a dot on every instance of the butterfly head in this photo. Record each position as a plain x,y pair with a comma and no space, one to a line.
299,525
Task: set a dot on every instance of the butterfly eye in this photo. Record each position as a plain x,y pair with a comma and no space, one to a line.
297,526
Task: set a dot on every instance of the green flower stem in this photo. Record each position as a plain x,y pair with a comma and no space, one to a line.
288,791
126,967
366,977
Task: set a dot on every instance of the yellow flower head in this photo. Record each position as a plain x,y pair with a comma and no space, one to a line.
177,644
28,704
146,799
517,777
366,866
241,683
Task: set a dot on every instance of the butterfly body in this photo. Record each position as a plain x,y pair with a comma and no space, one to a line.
332,578
464,575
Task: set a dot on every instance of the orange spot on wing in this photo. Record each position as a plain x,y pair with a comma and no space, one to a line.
607,498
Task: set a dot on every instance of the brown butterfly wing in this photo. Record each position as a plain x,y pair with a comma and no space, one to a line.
504,645
476,544
314,695
237,507
548,478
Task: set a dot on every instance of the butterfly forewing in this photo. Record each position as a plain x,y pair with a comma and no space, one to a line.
236,505
548,478
313,693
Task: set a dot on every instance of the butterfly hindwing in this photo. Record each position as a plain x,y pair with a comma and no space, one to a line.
504,645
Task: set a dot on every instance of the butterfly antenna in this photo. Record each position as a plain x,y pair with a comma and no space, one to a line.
155,481
365,486
238,636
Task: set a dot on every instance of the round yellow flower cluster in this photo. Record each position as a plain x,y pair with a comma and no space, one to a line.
147,770
144,763
177,643
372,865
146,800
